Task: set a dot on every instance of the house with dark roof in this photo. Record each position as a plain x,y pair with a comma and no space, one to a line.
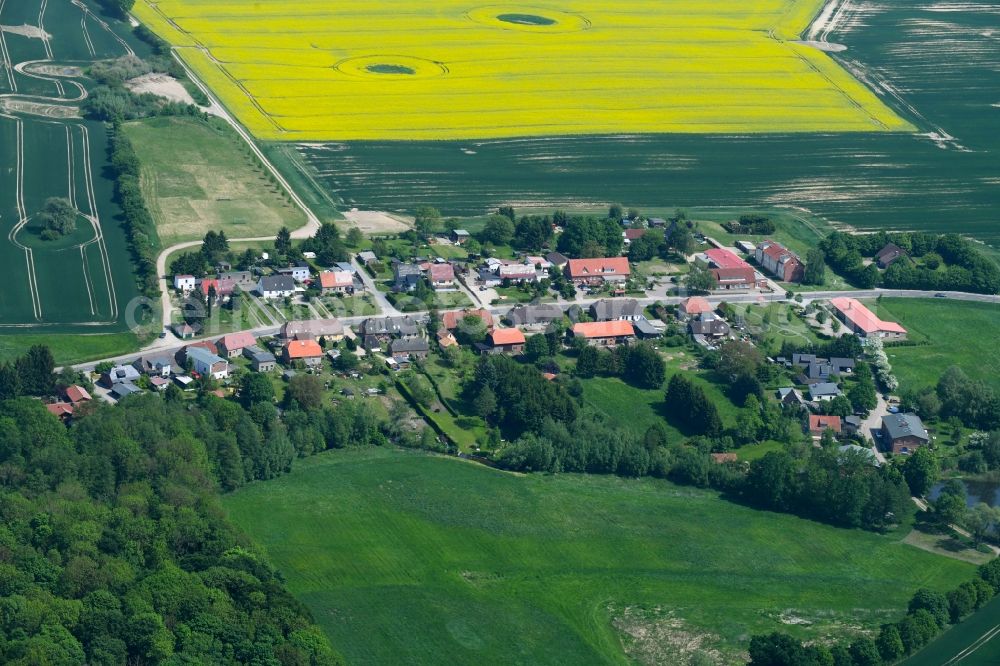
406,277
409,348
645,330
299,272
535,316
122,390
154,364
823,391
709,325
557,259
275,286
610,309
378,332
903,433
790,397
888,255
260,360
312,329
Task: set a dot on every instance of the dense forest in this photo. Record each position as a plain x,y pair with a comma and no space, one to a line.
113,548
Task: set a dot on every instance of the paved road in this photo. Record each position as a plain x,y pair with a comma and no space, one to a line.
384,306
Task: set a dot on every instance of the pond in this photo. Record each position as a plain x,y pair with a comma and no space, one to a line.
977,491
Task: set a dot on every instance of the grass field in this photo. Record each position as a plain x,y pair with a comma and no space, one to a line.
408,558
974,642
310,70
956,335
197,175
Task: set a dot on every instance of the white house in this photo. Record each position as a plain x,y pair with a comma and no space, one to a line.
184,283
298,273
276,286
205,362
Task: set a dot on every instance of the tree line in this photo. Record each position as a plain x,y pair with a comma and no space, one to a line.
140,229
928,614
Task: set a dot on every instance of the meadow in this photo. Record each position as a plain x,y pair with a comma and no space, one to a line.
404,557
950,333
360,70
974,642
198,175
81,283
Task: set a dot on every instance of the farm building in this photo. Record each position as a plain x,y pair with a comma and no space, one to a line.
863,322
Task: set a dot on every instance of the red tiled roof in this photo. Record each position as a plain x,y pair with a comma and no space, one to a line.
602,267
235,341
507,336
303,349
451,320
725,259
734,274
442,273
633,234
60,409
863,318
77,394
335,279
697,305
775,250
818,423
604,329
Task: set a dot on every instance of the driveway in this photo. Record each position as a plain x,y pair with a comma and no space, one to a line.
873,424
384,306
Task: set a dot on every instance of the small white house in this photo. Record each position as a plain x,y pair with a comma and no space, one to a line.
297,273
205,362
184,283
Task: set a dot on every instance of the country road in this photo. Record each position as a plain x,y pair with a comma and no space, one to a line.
172,343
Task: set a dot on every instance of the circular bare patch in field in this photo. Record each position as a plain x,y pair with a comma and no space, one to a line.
398,67
528,19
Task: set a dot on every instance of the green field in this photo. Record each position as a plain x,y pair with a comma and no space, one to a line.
974,642
958,333
408,558
83,283
198,175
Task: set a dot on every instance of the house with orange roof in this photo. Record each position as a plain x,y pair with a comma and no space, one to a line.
506,341
604,333
694,306
336,282
76,394
453,319
595,272
863,322
61,410
819,423
442,277
307,351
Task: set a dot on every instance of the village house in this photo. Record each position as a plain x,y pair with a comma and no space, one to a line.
514,271
275,286
159,383
535,316
119,374
863,322
779,261
242,279
540,263
336,282
61,410
206,363
709,326
233,344
184,330
823,391
409,348
453,319
730,272
460,236
223,288
307,351
630,235
818,424
299,273
557,259
790,397
442,277
446,338
611,309
260,360
694,306
406,277
505,341
154,365
76,394
888,255
123,390
596,272
184,283
604,334
378,332
313,329
367,257
903,433
646,330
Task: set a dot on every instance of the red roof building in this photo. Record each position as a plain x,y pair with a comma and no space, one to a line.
441,275
863,322
818,424
507,340
453,319
598,271
61,410
725,259
694,306
338,281
76,394
308,351
233,344
779,261
607,333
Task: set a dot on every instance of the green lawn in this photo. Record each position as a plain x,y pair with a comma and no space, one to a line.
957,332
70,348
408,558
197,175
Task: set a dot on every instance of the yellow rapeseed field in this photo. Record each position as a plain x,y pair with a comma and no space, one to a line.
318,70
